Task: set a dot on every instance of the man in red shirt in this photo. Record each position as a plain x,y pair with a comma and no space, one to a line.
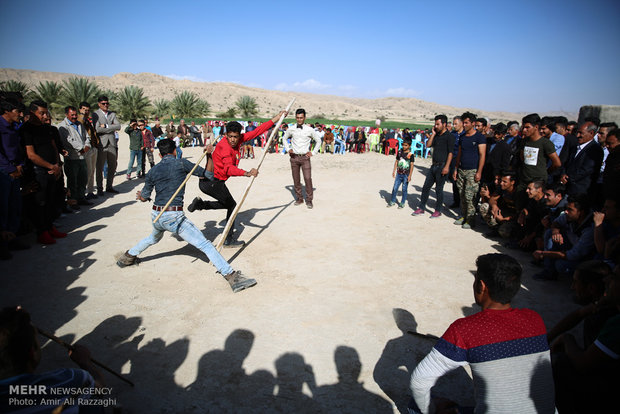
225,165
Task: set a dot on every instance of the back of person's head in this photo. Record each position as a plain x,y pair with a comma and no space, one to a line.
468,115
234,126
500,129
501,274
442,118
532,119
594,119
166,146
580,201
17,340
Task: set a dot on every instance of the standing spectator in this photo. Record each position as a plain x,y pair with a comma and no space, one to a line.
136,144
107,127
505,347
514,140
148,145
299,151
611,174
469,164
42,154
95,147
11,171
77,144
403,168
458,132
442,142
498,156
583,169
570,140
177,141
537,154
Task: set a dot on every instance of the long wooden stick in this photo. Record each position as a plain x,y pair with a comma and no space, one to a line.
179,189
93,360
231,220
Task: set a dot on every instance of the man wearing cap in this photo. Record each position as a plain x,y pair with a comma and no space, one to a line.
299,150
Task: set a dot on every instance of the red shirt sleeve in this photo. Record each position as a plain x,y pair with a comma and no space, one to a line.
259,130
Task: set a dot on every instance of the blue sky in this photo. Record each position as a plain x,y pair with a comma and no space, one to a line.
492,55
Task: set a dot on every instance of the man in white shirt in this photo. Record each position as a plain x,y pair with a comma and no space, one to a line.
299,150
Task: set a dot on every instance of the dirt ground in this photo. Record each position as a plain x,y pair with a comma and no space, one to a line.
326,327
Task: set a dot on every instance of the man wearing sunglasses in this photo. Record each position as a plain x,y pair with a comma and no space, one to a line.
106,125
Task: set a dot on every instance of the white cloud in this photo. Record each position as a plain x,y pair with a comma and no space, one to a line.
309,85
402,92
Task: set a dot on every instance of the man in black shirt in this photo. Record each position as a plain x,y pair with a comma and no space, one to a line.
42,153
442,142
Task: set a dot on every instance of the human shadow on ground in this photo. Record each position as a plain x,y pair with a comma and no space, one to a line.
401,355
291,189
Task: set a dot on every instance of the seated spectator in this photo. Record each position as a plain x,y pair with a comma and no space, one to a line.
339,141
530,218
328,141
571,240
586,379
506,348
171,130
20,355
196,135
606,224
589,287
501,213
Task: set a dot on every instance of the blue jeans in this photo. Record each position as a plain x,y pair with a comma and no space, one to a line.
176,222
179,152
558,266
133,155
401,179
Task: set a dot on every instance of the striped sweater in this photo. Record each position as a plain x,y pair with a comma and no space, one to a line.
509,358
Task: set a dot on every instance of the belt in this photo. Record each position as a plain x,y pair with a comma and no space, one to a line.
171,208
299,155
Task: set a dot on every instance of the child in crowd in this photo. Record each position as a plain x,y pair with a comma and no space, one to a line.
177,142
403,168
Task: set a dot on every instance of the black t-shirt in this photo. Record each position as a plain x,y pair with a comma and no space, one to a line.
442,146
507,203
41,138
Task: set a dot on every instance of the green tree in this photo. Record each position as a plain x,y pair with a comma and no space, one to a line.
49,92
162,108
17,86
77,90
131,103
227,114
247,106
188,105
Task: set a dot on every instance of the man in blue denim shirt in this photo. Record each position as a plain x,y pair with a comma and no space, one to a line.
166,177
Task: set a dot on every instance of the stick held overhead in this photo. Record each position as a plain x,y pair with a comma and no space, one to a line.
231,220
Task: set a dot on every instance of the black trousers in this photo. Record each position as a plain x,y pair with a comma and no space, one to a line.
218,190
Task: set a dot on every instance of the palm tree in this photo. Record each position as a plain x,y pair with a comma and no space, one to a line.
49,92
188,105
77,90
17,86
247,106
228,114
130,103
162,108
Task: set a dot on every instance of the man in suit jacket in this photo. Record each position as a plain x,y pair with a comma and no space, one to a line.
76,142
95,146
106,125
582,170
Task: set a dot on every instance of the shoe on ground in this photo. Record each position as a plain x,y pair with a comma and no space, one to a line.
230,243
84,202
111,190
195,205
390,204
100,191
127,260
466,226
436,214
309,205
401,205
57,234
91,196
544,275
459,221
299,202
16,244
129,176
46,238
417,212
238,282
